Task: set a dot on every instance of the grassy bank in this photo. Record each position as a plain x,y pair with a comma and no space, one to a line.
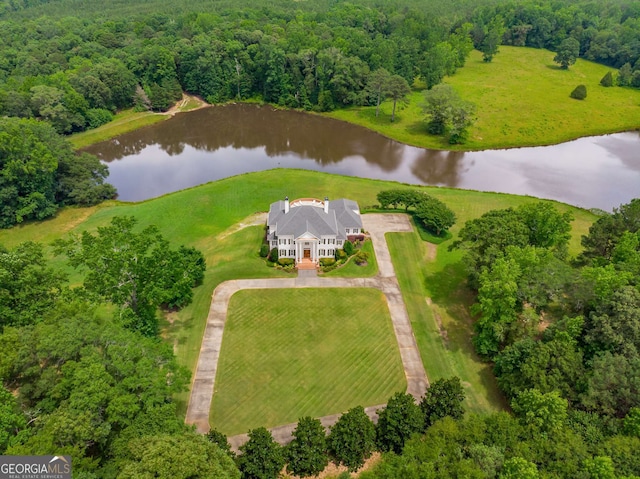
204,217
124,122
522,99
293,353
130,120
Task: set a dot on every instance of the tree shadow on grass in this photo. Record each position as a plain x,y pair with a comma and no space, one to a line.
417,128
449,291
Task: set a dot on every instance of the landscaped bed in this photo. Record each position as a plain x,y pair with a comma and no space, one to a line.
304,352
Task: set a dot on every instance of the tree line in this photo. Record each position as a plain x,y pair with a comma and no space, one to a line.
75,72
39,172
351,440
603,32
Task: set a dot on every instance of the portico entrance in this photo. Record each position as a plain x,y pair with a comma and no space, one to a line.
307,254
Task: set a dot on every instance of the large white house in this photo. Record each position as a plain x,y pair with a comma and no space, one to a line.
308,229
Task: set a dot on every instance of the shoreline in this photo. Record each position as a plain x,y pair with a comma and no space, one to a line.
190,103
128,120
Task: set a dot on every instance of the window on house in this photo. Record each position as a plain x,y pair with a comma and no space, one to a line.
283,252
292,252
355,230
348,230
331,252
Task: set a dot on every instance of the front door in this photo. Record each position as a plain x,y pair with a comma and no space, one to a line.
307,254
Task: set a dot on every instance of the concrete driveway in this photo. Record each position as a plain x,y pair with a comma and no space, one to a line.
204,379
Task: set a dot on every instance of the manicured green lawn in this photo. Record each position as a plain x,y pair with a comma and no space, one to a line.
291,353
443,328
352,270
216,207
522,99
234,257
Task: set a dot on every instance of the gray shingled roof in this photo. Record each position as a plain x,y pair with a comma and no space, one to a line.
302,219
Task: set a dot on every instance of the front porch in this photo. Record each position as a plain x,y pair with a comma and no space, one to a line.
306,264
306,250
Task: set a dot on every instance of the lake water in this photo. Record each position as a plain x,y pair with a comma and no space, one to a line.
218,142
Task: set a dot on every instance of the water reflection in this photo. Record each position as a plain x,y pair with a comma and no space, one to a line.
433,167
279,133
214,143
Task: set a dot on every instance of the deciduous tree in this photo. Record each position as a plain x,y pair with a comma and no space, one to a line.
518,468
260,457
492,38
568,52
188,456
443,398
220,439
352,439
447,112
12,420
545,412
307,453
134,270
434,214
497,304
377,86
397,89
397,422
28,286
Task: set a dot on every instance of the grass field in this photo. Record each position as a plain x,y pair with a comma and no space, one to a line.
352,270
214,208
441,324
292,353
124,122
522,99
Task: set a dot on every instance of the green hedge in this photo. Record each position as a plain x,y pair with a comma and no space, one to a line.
327,261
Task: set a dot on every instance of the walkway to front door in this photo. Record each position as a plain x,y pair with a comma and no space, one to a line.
305,263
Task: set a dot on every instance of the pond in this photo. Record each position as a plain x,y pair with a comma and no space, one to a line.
213,143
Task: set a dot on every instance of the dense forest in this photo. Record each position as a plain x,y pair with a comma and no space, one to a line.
75,72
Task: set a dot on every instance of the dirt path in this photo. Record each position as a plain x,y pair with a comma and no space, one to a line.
253,220
180,105
377,225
